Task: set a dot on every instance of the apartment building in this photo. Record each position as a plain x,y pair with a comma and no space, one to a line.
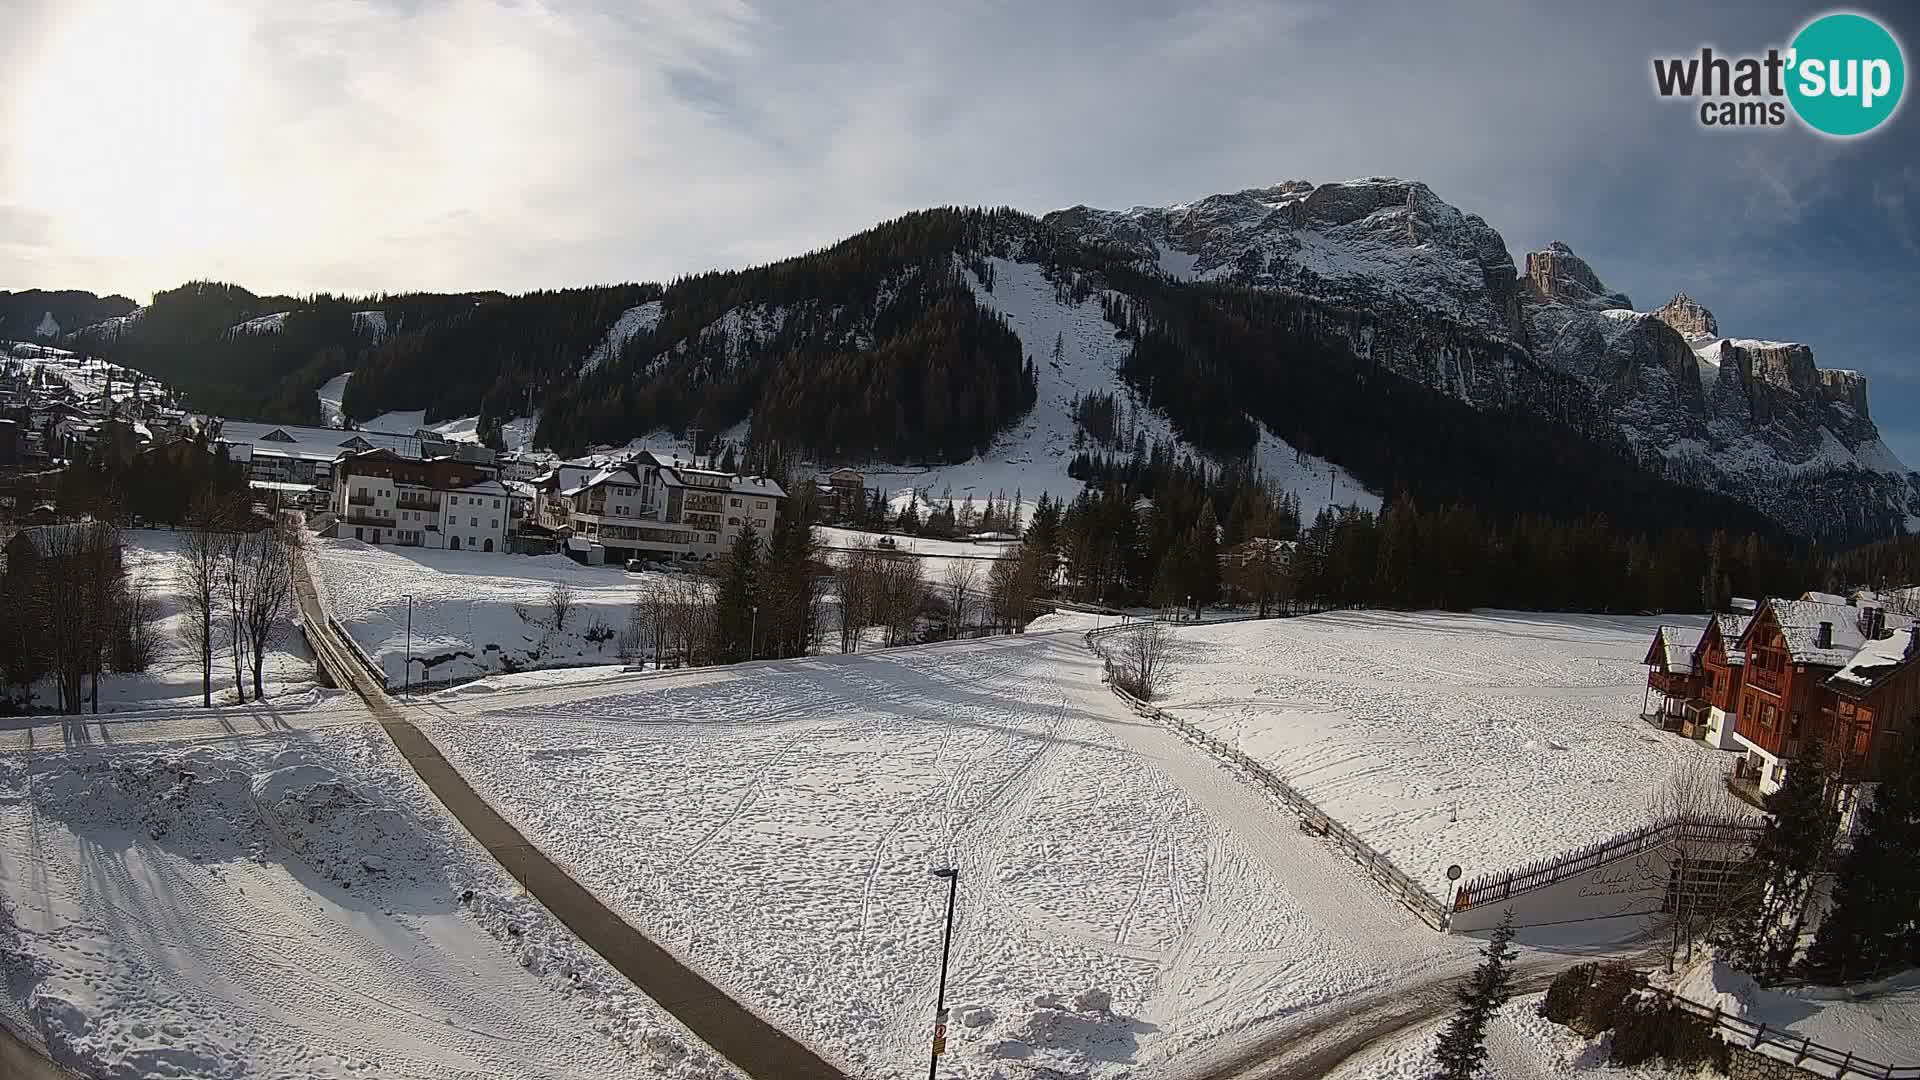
381,497
649,509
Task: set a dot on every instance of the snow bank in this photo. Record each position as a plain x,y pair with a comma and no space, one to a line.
1877,1021
292,905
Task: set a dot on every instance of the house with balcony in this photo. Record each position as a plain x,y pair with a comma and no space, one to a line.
382,497
1721,668
655,510
1873,706
1793,648
1673,684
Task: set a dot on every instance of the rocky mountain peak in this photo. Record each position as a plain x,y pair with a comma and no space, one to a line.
1686,315
1555,274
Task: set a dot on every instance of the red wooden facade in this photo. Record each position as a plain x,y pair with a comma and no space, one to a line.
1773,701
1878,718
1720,678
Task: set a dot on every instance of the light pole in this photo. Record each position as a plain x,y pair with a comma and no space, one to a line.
952,874
753,634
406,677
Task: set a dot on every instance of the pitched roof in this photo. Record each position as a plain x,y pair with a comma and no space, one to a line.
67,538
1874,663
1732,628
313,443
1674,645
1800,624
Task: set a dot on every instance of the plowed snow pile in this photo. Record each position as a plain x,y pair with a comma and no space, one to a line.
290,906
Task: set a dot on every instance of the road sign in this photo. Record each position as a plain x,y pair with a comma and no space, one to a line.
939,1039
1453,872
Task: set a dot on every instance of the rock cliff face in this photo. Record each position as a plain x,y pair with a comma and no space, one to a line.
1430,292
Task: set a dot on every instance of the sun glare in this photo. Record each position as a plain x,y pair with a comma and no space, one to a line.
123,134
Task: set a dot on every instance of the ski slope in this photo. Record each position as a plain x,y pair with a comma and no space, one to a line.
1124,903
287,903
1032,458
1487,739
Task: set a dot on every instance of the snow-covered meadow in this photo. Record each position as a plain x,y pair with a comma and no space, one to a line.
1487,739
289,903
474,613
1124,902
154,564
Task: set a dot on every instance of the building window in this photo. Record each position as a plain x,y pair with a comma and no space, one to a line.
496,504
471,542
733,502
473,523
496,524
760,504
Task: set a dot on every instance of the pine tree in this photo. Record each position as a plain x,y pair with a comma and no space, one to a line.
1463,1045
1203,571
739,592
1762,937
1874,926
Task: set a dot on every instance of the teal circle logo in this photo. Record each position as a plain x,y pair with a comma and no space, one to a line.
1846,75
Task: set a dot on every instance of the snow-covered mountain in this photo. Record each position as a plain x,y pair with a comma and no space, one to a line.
1430,292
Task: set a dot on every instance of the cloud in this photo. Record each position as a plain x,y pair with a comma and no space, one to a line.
361,145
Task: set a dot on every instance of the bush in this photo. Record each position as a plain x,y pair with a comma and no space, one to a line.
1645,1029
1588,997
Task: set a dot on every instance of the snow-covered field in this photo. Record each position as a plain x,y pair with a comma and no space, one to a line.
154,564
1123,901
474,613
1487,739
288,904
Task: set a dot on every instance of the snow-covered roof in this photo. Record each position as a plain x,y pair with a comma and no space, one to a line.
1733,627
485,487
1800,624
1674,645
1874,662
280,485
1823,597
310,443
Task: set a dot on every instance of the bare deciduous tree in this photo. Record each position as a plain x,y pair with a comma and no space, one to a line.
1702,876
901,594
263,598
201,551
560,603
858,581
1141,662
962,582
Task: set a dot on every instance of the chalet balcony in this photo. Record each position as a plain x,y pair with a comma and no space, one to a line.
1745,786
1763,679
710,503
367,517
360,500
417,502
1673,684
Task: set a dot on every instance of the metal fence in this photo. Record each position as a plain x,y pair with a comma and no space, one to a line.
1796,1050
1495,888
1384,873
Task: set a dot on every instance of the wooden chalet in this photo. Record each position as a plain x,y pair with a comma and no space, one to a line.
1793,648
1721,669
1672,682
1873,703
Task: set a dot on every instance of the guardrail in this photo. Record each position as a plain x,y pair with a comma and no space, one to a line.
1498,887
1798,1051
1378,867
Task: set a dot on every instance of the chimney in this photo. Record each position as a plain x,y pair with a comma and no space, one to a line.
1823,638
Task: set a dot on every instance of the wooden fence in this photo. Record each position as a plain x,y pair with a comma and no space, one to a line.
1499,887
1382,871
1797,1050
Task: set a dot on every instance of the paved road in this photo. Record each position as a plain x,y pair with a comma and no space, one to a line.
754,1046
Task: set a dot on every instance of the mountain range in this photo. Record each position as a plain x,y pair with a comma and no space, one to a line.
1364,335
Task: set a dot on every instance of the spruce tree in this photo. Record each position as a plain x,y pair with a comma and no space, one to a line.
1763,934
739,592
1203,572
1874,926
1463,1045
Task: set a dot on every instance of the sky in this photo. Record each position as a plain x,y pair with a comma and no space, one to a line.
367,145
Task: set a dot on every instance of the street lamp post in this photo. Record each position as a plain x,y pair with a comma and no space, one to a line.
952,874
753,635
406,677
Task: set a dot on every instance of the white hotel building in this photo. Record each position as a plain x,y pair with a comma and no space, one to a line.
645,508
